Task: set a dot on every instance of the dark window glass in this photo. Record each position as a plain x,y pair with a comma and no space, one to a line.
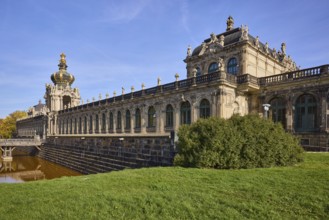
97,123
185,113
232,66
111,120
169,116
119,120
278,111
151,117
103,121
204,108
137,118
90,123
213,67
128,120
306,113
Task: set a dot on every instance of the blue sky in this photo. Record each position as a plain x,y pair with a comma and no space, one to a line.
112,44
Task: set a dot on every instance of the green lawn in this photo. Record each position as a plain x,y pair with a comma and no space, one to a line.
299,192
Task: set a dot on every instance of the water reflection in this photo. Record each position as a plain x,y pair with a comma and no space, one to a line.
27,168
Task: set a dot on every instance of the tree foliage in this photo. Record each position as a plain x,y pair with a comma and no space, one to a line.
239,142
8,124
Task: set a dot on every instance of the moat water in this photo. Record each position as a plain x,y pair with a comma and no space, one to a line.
25,168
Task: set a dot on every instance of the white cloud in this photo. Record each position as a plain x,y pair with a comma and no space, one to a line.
184,9
123,11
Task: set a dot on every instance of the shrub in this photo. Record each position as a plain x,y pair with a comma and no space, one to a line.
239,142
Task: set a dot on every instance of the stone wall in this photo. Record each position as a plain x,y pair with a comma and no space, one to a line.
102,154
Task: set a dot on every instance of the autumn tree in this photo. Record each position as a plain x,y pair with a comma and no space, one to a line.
8,124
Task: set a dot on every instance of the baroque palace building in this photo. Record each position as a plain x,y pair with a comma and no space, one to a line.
229,73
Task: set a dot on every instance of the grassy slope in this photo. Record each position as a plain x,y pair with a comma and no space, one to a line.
299,192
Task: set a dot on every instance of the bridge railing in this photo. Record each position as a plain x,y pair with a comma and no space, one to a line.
20,142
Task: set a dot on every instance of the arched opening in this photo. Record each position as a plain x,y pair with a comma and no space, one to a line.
185,113
204,108
169,116
306,113
119,126
103,122
66,101
128,122
213,67
111,121
151,117
278,111
138,118
232,66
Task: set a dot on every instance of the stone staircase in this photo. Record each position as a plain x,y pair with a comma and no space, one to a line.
91,160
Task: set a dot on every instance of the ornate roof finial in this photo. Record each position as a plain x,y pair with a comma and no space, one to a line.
62,62
62,77
230,23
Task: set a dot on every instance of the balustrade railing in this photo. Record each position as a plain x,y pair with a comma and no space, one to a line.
169,87
295,75
207,78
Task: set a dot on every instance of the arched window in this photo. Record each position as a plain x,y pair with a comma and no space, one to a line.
232,66
71,126
213,67
185,113
137,118
60,126
80,125
204,108
75,125
97,123
306,113
85,125
128,125
119,120
90,123
103,122
278,111
169,116
151,117
198,71
67,126
111,121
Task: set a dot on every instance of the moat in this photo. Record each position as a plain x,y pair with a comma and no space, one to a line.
26,168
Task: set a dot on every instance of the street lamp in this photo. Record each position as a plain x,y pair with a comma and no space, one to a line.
266,108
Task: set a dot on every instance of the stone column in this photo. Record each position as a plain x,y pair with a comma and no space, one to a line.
194,111
114,122
143,120
323,112
161,122
176,117
132,122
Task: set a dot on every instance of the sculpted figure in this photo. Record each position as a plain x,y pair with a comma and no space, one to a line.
283,48
244,30
266,47
257,41
221,40
189,52
213,38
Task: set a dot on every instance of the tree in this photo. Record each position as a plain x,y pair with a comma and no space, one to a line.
8,125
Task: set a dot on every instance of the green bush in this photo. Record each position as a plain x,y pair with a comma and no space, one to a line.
239,142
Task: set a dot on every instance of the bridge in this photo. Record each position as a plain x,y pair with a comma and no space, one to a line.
8,145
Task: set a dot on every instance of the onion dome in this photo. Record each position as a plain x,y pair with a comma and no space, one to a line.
62,77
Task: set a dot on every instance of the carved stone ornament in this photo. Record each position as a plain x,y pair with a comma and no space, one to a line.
221,40
257,41
189,51
244,33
